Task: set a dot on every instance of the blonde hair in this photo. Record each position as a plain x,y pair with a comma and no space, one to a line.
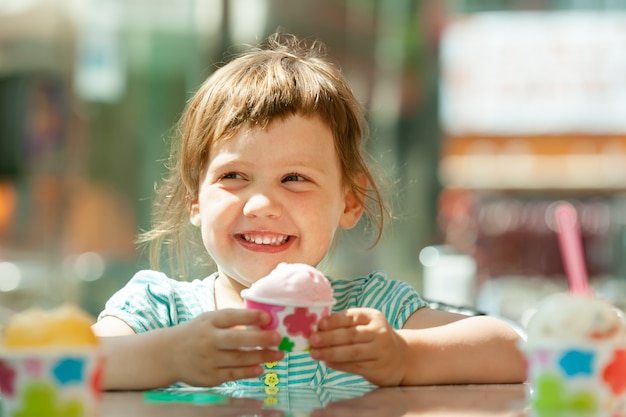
284,77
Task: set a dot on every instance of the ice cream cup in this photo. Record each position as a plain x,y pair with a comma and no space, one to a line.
576,378
295,322
50,381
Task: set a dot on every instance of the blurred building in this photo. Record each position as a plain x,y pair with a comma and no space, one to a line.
532,113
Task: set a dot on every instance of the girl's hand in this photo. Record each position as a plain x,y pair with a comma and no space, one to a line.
361,341
219,346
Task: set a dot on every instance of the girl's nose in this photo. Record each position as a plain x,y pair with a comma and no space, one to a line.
261,205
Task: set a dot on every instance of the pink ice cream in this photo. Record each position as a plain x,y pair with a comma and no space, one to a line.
296,296
293,283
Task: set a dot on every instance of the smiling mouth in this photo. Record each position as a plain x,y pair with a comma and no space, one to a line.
266,240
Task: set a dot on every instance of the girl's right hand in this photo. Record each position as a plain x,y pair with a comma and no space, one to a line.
223,345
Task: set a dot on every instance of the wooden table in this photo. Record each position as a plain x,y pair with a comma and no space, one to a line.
452,401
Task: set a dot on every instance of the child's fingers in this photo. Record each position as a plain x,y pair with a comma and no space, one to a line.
227,339
347,318
341,336
222,366
359,352
227,318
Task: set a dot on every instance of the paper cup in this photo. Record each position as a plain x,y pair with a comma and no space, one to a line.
37,382
576,378
294,322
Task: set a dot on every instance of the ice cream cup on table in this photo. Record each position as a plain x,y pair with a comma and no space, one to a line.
576,378
576,347
576,356
50,365
296,296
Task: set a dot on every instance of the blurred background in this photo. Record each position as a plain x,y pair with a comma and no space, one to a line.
482,113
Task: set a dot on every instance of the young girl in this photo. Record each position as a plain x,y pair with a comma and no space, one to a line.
269,166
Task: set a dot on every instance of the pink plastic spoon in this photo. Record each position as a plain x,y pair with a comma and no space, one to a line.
570,243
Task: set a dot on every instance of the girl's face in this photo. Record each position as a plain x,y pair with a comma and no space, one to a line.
271,196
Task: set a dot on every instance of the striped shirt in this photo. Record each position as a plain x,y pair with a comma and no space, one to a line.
151,300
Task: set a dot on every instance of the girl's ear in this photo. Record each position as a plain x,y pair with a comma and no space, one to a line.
194,213
352,209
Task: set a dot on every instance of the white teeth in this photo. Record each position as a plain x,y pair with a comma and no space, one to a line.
266,240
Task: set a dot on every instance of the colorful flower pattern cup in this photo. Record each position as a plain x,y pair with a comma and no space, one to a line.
296,296
576,356
50,365
583,378
294,322
38,383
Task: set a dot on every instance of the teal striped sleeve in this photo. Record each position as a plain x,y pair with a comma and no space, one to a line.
396,299
151,300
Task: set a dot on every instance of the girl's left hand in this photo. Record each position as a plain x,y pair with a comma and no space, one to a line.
361,341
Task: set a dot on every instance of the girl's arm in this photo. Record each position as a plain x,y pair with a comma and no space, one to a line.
135,361
213,348
434,347
449,348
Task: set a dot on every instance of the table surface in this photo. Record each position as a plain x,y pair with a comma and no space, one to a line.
452,400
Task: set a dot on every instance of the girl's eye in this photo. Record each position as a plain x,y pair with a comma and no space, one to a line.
293,177
231,176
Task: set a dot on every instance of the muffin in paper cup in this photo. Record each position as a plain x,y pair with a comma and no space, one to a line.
576,378
50,365
294,322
